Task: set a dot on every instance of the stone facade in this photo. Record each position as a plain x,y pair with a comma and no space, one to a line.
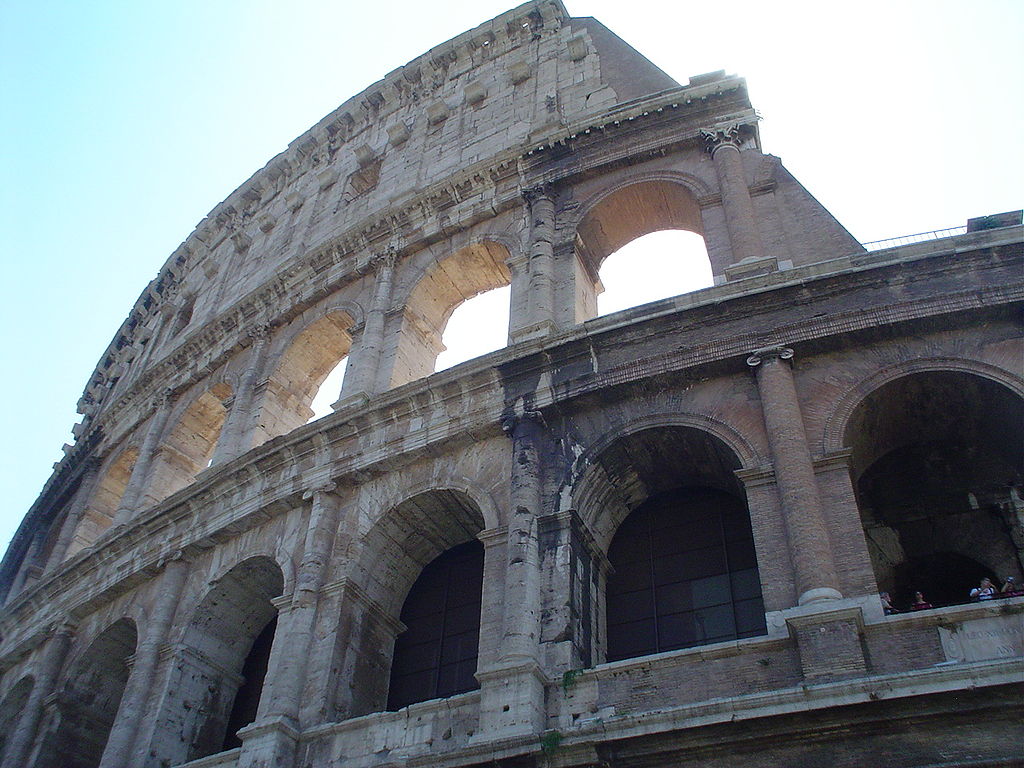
857,412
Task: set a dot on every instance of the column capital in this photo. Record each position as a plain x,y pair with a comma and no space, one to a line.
510,422
162,399
723,135
385,260
259,333
759,356
319,490
538,192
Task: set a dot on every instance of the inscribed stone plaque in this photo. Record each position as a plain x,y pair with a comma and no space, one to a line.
992,638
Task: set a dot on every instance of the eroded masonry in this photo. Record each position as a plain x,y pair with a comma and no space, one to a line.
654,538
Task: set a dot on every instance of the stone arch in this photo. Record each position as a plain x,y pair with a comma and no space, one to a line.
618,215
187,448
11,706
677,478
937,468
603,503
834,433
392,555
206,674
445,283
100,510
89,699
305,359
626,211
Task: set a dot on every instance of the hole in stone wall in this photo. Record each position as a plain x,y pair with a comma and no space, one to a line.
476,327
652,267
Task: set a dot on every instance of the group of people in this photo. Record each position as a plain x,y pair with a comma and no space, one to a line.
985,590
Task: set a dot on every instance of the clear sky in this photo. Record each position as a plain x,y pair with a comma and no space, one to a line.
124,123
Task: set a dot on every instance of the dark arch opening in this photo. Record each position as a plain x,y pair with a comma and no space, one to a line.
89,701
220,664
436,655
937,464
684,574
254,674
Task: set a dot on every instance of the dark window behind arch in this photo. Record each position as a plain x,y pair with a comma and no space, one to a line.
436,655
254,673
685,574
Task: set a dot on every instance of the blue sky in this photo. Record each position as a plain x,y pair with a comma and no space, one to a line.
124,123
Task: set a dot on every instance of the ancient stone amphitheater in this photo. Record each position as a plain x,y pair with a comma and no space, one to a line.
654,538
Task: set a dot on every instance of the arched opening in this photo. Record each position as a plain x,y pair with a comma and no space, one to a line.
188,448
680,545
254,674
435,657
422,557
11,707
643,227
219,668
937,464
89,700
469,272
99,512
476,327
300,377
655,266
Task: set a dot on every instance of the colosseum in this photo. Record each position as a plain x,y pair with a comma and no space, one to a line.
465,567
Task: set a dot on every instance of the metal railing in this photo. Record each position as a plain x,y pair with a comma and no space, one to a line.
919,237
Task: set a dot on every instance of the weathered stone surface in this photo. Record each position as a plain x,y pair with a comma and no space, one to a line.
200,530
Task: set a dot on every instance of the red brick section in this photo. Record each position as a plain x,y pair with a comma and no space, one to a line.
809,547
739,210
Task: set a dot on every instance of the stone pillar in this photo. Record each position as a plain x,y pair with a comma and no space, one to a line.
20,743
236,436
809,547
271,740
86,487
121,743
140,472
361,377
540,266
723,143
512,690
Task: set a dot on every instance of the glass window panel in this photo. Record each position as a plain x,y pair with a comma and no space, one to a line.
442,613
750,616
714,623
714,590
698,546
631,606
746,584
634,638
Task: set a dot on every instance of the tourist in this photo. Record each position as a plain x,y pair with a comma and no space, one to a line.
984,591
920,604
887,605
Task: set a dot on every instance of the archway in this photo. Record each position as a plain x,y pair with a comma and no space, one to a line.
218,670
469,272
99,512
936,458
305,365
188,448
89,700
645,240
668,508
430,536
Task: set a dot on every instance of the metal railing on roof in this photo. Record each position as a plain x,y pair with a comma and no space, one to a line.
919,237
